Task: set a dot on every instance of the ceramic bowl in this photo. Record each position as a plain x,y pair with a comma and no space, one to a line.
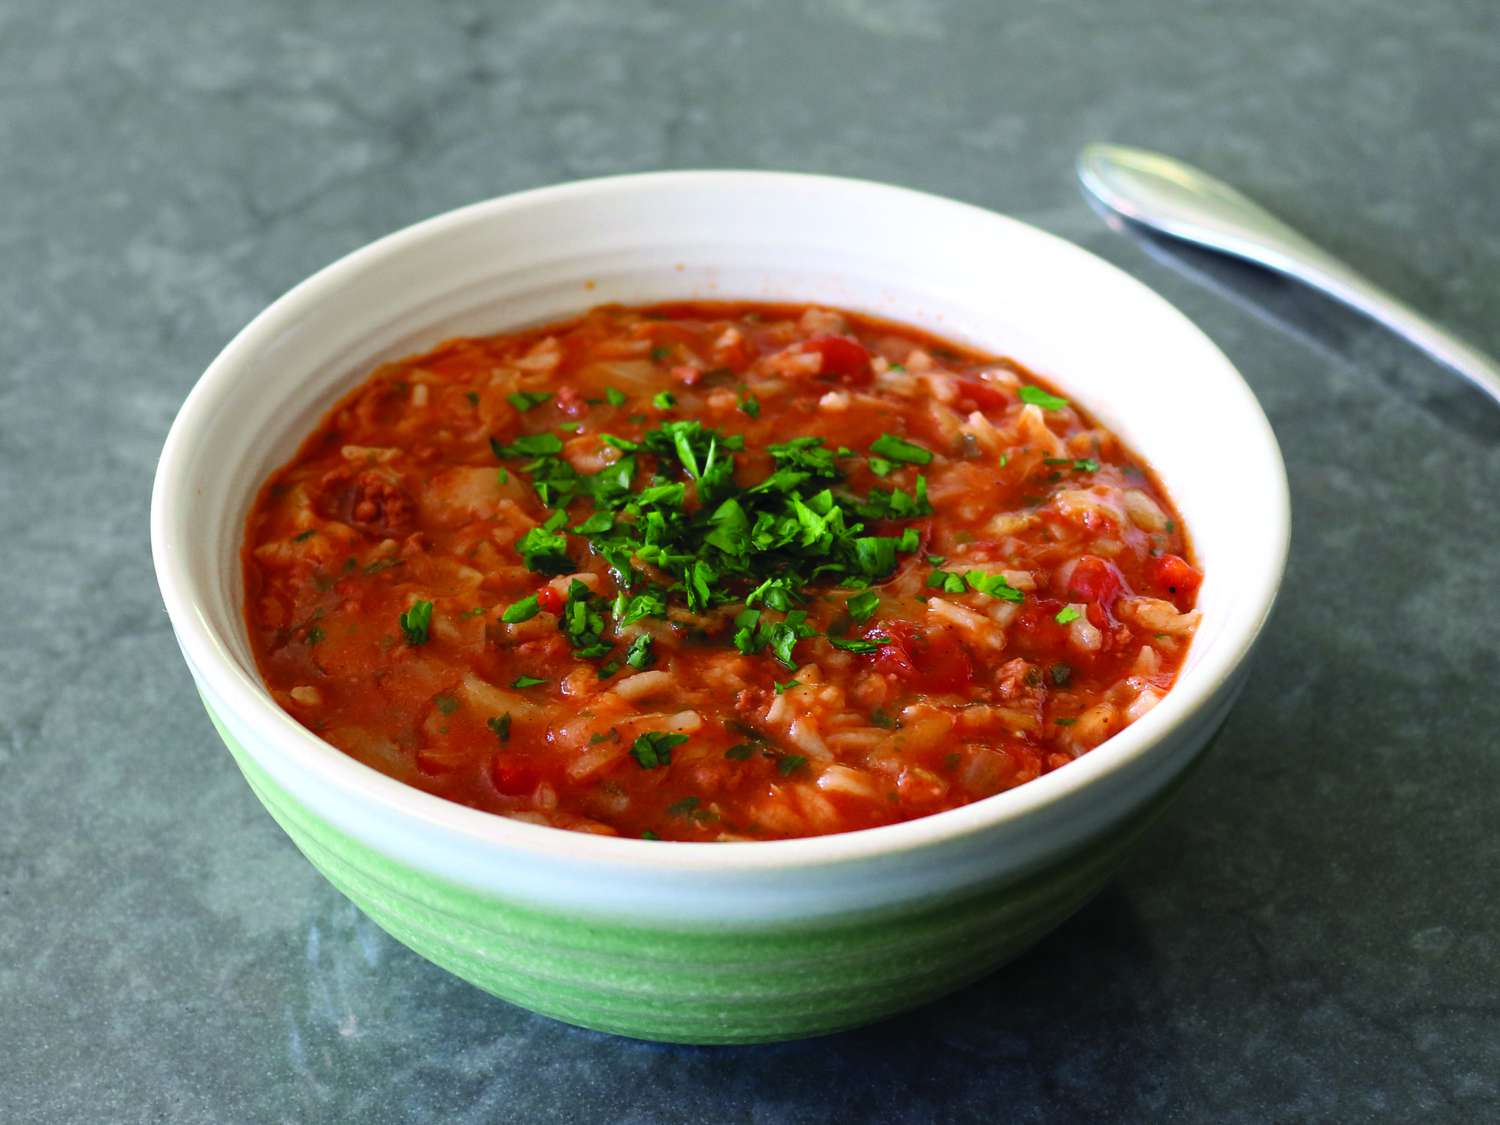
720,943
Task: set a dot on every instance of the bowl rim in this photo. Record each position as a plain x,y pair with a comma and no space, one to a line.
246,698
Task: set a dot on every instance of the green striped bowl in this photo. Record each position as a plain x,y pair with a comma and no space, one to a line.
707,943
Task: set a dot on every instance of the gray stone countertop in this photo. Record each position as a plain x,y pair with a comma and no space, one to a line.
1312,933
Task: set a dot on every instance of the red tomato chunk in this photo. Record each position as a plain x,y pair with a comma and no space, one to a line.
715,572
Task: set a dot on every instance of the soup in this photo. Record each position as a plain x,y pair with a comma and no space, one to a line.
715,571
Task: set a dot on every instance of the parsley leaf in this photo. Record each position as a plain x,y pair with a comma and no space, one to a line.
654,748
946,581
501,726
899,449
544,549
524,681
862,607
638,655
784,635
529,445
739,752
870,644
614,397
582,623
994,585
1068,613
523,610
789,764
416,623
527,400
1035,396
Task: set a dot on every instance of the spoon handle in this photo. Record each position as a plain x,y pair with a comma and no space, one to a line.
1179,200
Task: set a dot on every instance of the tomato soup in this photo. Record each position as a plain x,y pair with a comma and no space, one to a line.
715,571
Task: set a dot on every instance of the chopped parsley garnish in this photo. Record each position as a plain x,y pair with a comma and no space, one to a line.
523,610
899,449
660,352
614,397
473,397
647,834
527,400
1065,722
446,704
862,606
883,718
529,445
305,535
789,764
946,581
881,467
1061,674
501,726
740,752
683,807
524,681
582,622
994,585
314,635
1079,465
1066,614
674,525
750,405
638,655
870,644
664,400
783,688
784,635
416,623
1035,396
545,549
654,748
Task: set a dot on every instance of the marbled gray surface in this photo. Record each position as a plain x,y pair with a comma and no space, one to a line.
1312,932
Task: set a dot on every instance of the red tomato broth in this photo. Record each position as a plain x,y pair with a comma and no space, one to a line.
403,497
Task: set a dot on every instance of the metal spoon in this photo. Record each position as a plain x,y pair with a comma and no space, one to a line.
1177,199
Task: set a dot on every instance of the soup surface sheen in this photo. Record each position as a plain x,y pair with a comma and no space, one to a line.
715,572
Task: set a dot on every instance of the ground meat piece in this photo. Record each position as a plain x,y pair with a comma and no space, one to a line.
371,500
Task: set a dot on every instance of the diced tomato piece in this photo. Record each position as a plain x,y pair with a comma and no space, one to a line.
512,778
570,401
985,396
931,659
1034,629
1175,577
1098,584
549,599
843,358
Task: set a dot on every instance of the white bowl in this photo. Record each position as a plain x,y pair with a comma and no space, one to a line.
714,942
